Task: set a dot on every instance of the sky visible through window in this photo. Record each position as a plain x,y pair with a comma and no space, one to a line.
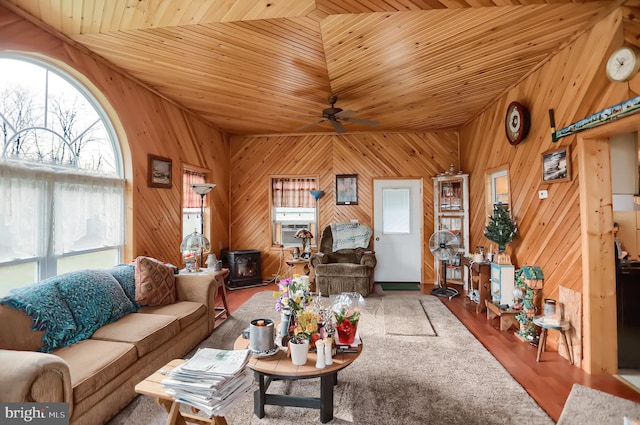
46,119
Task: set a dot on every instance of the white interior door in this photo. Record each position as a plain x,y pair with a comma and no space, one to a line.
397,230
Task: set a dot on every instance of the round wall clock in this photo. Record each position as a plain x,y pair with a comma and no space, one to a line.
623,64
516,123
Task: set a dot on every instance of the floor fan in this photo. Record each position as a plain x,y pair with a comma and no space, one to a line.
444,246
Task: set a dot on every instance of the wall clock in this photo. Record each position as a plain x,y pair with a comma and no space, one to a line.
516,123
623,64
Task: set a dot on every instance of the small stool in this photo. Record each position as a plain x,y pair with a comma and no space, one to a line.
220,276
563,327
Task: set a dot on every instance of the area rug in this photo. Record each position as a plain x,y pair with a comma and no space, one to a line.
400,286
449,379
588,406
397,311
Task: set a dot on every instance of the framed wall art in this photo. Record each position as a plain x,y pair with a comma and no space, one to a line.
346,189
159,172
556,165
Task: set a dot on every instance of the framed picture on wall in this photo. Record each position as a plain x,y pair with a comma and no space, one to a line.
346,189
159,172
556,165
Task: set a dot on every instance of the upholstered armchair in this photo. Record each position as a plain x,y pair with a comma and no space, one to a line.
344,262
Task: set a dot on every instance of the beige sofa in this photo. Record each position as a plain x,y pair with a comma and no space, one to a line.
97,376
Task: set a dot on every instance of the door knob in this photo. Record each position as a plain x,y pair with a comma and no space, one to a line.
377,239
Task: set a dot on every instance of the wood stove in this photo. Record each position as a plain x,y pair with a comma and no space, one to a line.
244,269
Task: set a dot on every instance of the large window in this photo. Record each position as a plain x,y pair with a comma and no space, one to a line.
293,208
61,181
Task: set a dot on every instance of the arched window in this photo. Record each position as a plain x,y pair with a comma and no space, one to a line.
61,178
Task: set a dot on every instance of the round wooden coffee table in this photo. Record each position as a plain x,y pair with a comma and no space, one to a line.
279,366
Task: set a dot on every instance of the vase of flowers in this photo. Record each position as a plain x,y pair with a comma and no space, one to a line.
292,297
346,310
307,325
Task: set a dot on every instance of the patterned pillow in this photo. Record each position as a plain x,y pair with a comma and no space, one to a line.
155,282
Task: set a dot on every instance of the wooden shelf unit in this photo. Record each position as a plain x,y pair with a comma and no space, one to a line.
451,212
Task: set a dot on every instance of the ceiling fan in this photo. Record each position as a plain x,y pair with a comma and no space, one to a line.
335,116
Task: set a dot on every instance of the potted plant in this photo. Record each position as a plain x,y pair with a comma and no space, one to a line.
501,229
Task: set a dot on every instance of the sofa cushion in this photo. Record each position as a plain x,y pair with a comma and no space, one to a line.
125,274
93,363
95,298
343,270
48,311
187,312
145,331
155,282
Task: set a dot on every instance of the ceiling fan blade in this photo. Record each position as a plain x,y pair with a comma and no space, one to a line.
346,113
337,126
311,124
360,121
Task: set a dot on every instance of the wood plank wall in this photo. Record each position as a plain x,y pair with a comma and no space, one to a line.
575,85
145,123
255,159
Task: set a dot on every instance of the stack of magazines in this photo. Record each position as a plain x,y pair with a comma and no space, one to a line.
212,380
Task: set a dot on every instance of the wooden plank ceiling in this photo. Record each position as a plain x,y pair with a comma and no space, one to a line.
268,67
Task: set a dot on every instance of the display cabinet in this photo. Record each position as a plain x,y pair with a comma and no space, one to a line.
451,212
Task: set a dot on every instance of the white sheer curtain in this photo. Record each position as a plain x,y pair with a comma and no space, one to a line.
47,212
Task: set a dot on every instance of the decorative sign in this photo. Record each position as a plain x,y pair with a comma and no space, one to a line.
611,113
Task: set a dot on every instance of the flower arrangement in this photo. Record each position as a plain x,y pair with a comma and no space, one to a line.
293,294
346,310
306,324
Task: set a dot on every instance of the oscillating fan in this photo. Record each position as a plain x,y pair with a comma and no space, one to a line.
444,246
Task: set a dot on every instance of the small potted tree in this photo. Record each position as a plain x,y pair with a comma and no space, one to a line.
501,229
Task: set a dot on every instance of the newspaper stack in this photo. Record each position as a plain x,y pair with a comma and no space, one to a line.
212,380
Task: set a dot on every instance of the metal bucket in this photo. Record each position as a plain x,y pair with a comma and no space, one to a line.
261,335
549,307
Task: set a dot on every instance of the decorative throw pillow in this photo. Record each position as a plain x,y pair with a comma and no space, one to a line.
155,282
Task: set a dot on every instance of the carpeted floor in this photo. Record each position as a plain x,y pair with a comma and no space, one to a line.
396,310
445,379
588,406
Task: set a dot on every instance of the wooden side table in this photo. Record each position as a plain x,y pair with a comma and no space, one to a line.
300,267
507,318
220,276
152,386
480,280
562,327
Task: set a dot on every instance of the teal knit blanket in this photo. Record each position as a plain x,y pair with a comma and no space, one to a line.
72,306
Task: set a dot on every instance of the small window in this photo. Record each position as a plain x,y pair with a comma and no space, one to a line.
292,208
497,188
191,201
